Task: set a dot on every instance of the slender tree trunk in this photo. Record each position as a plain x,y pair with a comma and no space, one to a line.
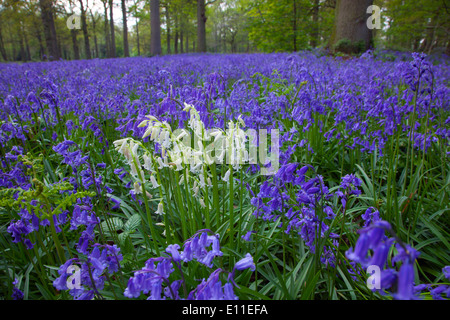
137,38
9,34
233,42
315,20
294,25
39,38
176,34
94,23
2,46
27,46
187,41
22,53
155,25
126,50
111,25
87,47
181,39
76,51
166,10
107,38
49,29
216,39
201,26
96,44
351,23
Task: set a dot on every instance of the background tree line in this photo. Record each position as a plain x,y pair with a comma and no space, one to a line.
37,29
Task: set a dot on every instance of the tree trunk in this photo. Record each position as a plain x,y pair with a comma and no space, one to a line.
166,10
155,25
87,47
177,27
187,42
294,25
351,24
76,51
27,46
39,38
201,26
94,23
315,19
216,39
49,29
181,38
126,50
2,46
137,38
9,34
107,39
96,44
111,26
22,54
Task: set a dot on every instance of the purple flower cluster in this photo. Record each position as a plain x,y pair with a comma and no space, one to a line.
17,293
101,261
13,173
372,249
74,158
153,279
29,223
307,210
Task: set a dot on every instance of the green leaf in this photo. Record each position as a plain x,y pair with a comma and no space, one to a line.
133,222
113,224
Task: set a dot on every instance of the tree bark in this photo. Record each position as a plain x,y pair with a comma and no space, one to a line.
126,50
155,25
2,46
315,20
294,25
107,39
87,47
49,29
201,26
166,10
94,23
76,51
39,38
137,38
111,25
27,46
22,53
351,23
181,38
177,27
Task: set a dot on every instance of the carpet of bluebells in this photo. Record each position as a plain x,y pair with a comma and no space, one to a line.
96,202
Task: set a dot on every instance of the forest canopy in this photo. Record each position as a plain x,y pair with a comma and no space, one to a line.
34,30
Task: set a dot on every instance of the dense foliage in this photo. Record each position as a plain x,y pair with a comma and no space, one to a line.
231,26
